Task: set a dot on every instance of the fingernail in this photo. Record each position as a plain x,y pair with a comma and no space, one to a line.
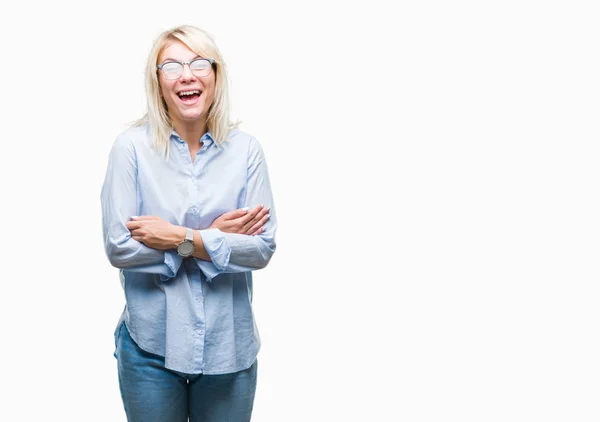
134,217
245,209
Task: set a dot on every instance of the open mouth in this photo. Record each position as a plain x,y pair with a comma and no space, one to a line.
189,97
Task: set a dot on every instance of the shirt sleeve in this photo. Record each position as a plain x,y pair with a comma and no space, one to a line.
231,252
119,203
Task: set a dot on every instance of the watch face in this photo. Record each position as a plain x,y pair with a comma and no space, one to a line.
185,249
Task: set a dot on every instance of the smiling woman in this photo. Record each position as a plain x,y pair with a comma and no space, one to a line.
188,91
188,215
171,69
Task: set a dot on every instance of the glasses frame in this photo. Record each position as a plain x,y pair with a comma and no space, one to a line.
160,66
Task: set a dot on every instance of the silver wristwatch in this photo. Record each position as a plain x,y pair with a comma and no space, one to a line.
186,248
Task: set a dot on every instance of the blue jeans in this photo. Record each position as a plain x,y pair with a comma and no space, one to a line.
152,393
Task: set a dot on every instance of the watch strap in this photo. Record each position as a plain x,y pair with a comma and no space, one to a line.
189,234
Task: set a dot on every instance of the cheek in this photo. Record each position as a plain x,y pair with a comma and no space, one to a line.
165,89
211,94
210,98
212,87
166,92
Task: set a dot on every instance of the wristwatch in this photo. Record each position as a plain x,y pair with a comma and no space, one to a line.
186,248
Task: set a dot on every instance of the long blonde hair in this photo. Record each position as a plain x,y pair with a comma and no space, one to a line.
157,116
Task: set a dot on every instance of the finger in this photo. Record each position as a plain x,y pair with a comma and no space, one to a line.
232,215
260,223
132,225
256,229
242,216
257,232
145,217
137,224
137,232
247,219
138,238
261,214
256,218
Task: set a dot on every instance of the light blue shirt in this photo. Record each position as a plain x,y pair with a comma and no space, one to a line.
195,313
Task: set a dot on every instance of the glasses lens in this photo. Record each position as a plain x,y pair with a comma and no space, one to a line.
200,67
172,70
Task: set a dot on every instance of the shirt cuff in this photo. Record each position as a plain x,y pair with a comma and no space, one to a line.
208,269
173,261
217,248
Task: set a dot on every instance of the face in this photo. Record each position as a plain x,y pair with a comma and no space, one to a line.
186,108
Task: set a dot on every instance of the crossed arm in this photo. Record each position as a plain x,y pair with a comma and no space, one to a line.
157,233
237,241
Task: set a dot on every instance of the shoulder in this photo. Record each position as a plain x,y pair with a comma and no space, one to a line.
238,136
242,141
131,140
132,137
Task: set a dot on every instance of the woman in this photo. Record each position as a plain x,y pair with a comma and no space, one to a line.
187,215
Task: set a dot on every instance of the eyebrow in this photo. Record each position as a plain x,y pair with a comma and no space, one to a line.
175,60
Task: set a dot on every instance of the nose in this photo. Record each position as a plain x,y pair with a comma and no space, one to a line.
187,74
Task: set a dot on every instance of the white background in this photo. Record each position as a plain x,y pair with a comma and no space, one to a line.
435,173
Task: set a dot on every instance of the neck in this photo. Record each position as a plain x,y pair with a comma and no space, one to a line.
190,132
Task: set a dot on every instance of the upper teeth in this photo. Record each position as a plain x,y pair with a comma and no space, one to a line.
189,92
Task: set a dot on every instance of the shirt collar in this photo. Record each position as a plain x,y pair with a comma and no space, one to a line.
207,138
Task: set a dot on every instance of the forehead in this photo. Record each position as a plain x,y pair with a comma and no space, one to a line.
178,51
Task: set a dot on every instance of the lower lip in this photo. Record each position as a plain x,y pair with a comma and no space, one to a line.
191,102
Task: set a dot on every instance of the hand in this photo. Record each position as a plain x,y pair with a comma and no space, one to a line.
155,232
242,221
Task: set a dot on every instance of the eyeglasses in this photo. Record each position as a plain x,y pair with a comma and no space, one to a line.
173,70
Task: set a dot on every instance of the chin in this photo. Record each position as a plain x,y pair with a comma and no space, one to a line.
192,115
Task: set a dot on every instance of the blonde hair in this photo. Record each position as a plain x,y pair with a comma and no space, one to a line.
157,116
